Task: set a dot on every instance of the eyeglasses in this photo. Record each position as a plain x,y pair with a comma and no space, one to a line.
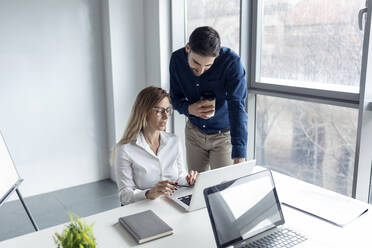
161,111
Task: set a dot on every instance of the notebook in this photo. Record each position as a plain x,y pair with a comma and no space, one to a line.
191,198
145,226
246,212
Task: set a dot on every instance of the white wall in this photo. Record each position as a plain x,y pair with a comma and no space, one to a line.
128,58
140,51
152,44
125,48
140,48
157,27
178,31
52,92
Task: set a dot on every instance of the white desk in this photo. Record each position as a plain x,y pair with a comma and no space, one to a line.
194,229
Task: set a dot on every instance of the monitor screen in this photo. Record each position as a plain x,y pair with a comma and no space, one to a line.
244,207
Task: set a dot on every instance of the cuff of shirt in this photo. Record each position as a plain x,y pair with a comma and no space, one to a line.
139,195
239,152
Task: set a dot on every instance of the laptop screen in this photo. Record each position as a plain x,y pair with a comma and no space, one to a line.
242,208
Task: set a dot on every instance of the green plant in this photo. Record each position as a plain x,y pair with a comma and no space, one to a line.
77,234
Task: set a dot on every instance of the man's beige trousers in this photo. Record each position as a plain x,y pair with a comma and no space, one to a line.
207,151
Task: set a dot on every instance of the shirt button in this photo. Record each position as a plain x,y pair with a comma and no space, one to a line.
204,126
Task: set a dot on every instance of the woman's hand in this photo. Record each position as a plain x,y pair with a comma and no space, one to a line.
191,177
166,187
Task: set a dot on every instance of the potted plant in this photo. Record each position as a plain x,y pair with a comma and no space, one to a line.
77,234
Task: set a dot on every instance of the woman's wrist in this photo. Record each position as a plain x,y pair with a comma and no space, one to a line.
148,194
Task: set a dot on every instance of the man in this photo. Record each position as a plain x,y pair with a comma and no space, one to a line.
215,133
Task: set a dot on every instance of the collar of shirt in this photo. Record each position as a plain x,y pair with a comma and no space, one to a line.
141,142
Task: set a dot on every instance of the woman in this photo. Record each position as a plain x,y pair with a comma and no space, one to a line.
149,161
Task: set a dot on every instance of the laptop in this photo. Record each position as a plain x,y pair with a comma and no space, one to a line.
246,212
191,198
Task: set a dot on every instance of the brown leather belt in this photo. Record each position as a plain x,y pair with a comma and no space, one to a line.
225,130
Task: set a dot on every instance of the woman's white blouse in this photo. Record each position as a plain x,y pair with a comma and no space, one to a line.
138,168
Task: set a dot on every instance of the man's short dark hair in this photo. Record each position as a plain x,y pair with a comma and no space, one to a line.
205,41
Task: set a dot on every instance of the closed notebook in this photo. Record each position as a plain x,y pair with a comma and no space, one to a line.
145,226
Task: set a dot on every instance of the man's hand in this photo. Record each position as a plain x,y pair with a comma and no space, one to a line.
202,109
191,177
238,160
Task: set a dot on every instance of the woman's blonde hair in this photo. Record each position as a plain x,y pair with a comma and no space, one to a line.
145,101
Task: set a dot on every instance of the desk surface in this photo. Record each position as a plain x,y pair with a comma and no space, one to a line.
194,229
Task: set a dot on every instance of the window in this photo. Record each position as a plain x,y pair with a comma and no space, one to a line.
310,50
311,44
310,141
222,15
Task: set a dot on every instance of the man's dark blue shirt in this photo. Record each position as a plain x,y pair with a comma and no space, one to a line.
226,78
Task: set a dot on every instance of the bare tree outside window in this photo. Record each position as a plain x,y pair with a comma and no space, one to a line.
310,141
312,43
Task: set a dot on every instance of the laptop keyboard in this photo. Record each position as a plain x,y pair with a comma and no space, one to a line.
186,199
283,237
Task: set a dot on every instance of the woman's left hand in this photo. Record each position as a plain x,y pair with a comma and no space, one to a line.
191,177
